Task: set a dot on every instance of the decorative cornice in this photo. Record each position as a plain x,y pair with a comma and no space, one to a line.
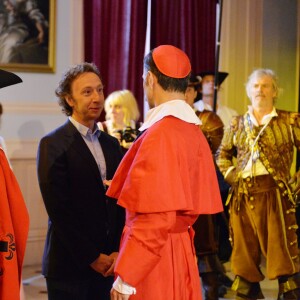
31,108
18,150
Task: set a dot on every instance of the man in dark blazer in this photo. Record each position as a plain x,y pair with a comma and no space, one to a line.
74,163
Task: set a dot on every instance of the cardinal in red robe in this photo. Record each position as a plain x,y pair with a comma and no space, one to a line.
166,179
14,220
14,224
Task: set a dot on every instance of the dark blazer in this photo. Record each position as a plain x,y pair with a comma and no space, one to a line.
83,222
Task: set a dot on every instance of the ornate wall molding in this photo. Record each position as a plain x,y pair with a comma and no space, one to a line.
31,108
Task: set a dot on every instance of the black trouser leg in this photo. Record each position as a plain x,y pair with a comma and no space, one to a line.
210,285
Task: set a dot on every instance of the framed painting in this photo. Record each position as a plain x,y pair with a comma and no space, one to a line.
27,35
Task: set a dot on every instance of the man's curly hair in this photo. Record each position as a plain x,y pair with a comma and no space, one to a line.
64,86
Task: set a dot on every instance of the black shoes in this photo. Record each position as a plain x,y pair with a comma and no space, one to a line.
225,280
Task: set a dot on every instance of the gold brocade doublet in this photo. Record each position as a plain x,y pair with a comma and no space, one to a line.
274,145
262,208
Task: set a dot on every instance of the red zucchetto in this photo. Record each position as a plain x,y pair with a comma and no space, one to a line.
171,61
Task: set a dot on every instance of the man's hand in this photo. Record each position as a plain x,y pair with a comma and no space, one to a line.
230,177
110,271
114,295
295,183
107,182
102,264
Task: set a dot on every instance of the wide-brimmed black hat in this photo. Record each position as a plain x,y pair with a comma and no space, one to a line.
8,78
221,75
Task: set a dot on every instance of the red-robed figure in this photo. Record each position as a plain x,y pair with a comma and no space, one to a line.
166,179
14,220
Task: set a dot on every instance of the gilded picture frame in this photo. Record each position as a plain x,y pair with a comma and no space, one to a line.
27,35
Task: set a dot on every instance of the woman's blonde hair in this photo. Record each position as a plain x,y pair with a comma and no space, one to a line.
127,101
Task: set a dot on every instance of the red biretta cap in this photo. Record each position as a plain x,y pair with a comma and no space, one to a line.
171,61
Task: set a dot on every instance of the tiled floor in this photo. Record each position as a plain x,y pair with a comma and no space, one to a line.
34,283
35,288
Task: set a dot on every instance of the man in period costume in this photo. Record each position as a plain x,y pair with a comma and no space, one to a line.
207,91
14,220
262,200
162,182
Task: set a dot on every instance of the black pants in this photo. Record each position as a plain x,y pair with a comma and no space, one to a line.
222,221
90,289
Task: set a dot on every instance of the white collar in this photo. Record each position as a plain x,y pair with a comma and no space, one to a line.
265,119
202,105
83,129
176,108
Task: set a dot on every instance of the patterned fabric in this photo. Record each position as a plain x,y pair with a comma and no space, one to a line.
262,207
275,145
162,182
14,226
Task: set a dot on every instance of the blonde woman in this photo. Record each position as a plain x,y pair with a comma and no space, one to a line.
122,114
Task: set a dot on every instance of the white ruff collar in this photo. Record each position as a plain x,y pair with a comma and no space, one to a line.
176,108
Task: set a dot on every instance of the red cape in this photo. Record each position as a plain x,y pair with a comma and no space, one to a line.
169,167
14,224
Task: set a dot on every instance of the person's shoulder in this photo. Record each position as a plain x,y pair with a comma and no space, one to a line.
290,116
235,122
286,112
170,128
59,131
109,138
103,126
199,105
166,124
159,130
210,121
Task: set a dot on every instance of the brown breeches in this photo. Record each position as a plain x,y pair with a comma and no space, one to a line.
263,223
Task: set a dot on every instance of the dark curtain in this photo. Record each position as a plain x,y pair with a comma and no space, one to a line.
115,32
189,25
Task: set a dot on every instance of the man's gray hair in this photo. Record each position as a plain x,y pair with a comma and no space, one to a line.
258,73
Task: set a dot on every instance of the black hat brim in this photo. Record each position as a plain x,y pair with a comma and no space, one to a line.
8,78
221,75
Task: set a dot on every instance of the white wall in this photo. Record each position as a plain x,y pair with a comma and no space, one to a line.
31,111
30,108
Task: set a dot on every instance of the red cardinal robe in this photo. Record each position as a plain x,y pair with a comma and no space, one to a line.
14,224
166,179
